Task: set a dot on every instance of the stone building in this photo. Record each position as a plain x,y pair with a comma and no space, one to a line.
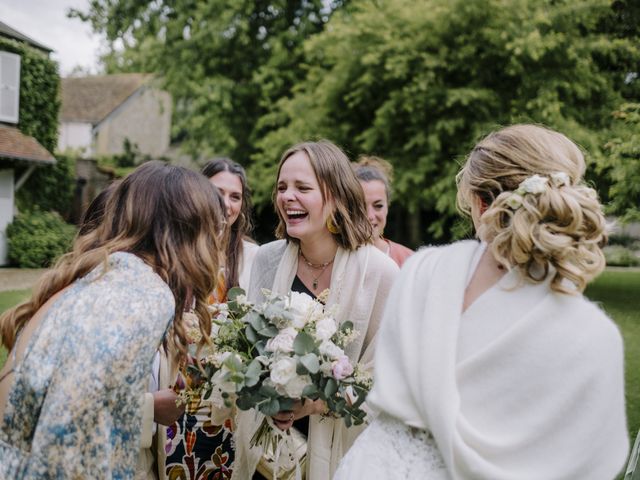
100,112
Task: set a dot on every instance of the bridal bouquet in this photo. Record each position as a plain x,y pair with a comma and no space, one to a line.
268,356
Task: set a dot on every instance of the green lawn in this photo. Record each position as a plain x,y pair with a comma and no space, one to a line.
9,299
619,293
617,290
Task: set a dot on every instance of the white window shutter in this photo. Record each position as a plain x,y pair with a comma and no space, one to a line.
9,87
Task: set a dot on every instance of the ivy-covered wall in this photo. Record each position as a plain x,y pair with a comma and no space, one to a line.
49,187
39,93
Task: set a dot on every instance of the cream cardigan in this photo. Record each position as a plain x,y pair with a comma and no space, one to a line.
360,283
535,390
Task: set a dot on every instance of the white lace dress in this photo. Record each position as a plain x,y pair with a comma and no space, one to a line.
391,450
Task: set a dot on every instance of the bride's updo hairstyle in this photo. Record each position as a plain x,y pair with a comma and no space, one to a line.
536,212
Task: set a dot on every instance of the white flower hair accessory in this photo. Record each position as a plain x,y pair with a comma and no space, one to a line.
560,179
535,185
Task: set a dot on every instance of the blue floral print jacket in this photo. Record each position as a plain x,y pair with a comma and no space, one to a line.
74,409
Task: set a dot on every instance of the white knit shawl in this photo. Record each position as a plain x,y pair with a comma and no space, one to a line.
543,399
360,283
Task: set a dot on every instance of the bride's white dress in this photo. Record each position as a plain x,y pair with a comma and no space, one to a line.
389,449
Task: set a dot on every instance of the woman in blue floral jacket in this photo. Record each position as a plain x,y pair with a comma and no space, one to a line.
81,347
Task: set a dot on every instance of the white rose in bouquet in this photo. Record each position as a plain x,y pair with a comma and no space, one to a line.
296,385
283,370
303,308
283,342
325,328
330,349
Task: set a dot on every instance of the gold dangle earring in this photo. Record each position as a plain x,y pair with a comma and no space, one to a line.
331,226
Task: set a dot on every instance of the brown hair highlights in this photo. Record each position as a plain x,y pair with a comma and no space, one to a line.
338,183
166,215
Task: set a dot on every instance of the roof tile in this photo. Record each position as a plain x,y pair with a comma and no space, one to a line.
15,145
91,99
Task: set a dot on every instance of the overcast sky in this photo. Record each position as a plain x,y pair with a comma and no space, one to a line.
46,21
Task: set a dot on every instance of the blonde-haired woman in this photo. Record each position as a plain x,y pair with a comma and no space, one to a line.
375,175
80,356
493,364
325,244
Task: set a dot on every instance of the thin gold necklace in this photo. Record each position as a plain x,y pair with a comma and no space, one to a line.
316,266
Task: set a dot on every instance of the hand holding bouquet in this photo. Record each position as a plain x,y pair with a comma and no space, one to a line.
289,348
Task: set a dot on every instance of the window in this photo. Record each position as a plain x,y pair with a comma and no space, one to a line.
9,87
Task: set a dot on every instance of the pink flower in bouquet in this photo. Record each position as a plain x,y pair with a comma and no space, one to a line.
342,368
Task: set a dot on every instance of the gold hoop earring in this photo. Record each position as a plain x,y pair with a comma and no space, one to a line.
331,226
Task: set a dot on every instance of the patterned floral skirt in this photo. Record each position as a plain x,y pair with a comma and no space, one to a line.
197,449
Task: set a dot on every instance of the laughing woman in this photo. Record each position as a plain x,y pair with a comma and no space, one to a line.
325,244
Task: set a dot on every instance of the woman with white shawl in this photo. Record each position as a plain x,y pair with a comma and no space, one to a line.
491,364
326,245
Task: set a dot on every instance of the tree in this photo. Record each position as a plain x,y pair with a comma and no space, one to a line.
623,163
418,84
224,61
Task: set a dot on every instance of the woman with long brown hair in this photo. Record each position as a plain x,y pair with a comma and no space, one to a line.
325,245
81,347
194,438
231,181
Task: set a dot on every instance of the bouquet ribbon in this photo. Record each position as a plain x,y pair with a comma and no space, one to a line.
271,438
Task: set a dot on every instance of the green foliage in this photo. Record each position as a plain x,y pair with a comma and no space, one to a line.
124,163
50,187
224,61
623,163
37,239
419,85
39,99
620,256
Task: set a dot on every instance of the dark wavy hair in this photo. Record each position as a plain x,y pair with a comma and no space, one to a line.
243,226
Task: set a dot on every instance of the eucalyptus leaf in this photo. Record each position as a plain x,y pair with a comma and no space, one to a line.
286,403
252,375
330,388
310,362
303,344
268,331
268,391
270,408
244,403
347,325
233,293
261,347
310,391
251,334
255,320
